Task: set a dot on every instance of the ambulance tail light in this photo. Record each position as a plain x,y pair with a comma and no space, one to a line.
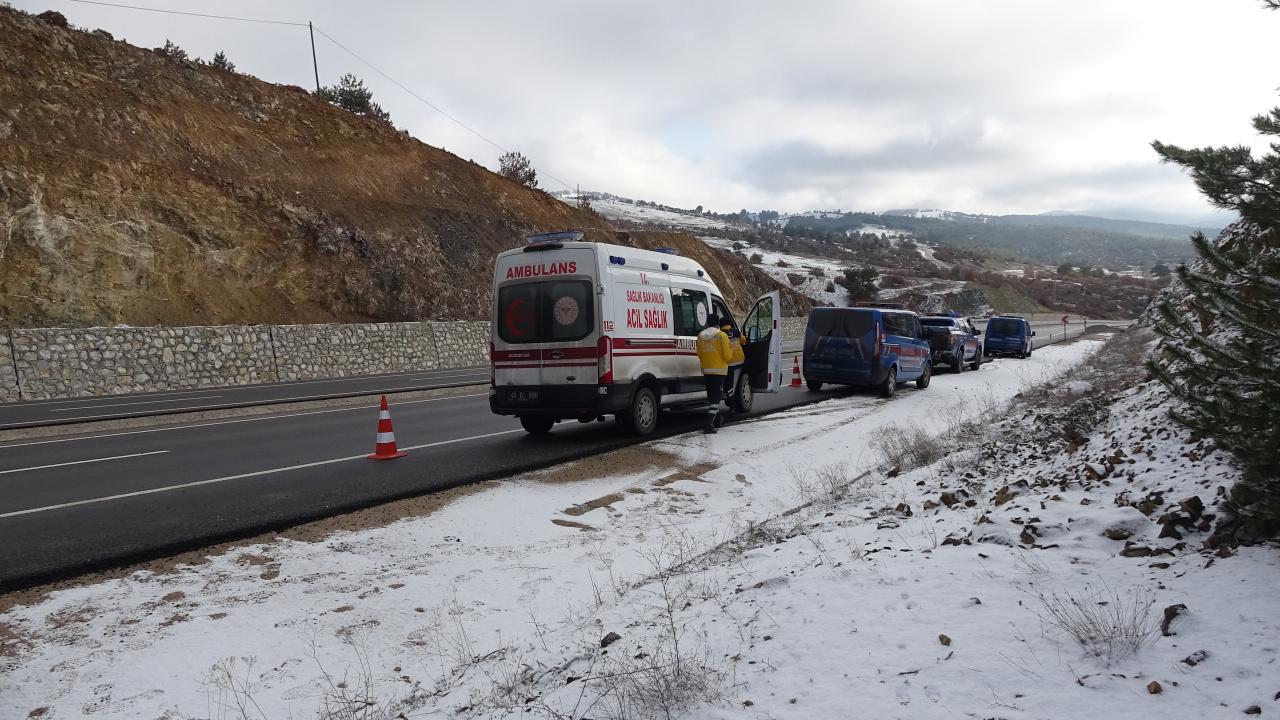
493,367
604,353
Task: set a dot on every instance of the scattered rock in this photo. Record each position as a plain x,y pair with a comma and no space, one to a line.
609,639
945,640
929,505
1096,471
1224,552
1195,658
948,499
53,17
1171,613
1193,505
1131,550
1004,495
1154,688
1118,532
1253,710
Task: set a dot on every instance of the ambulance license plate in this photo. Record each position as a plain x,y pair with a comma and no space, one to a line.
522,395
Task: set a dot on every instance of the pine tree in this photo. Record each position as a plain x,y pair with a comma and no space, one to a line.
515,166
221,62
350,94
172,51
860,283
1220,348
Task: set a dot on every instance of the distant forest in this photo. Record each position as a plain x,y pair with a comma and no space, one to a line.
1040,241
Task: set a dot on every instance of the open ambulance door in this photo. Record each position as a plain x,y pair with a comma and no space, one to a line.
763,351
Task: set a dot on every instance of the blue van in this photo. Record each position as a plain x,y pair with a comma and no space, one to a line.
868,346
1008,335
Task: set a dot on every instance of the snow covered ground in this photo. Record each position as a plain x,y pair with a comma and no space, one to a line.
754,573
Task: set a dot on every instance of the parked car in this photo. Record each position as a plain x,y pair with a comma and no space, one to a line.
1008,335
953,341
583,330
866,346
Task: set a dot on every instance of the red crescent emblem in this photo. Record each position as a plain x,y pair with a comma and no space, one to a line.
517,323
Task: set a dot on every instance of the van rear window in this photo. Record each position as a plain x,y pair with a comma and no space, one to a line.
937,322
552,311
839,322
1004,326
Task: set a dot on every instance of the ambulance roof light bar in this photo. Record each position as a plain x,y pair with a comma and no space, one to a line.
554,237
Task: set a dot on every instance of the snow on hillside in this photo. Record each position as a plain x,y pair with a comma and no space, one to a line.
622,210
812,284
754,573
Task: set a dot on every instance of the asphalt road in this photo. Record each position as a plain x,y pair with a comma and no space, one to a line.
75,504
111,407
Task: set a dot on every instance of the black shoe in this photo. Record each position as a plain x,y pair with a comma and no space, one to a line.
709,430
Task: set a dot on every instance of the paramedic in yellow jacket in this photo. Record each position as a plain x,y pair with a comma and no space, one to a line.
736,343
714,353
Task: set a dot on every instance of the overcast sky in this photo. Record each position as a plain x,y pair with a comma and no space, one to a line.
977,105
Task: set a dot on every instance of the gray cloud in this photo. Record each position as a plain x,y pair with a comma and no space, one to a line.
988,105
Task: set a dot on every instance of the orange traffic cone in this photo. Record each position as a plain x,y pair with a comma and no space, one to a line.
795,372
385,446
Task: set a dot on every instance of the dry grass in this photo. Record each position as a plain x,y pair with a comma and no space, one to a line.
1106,624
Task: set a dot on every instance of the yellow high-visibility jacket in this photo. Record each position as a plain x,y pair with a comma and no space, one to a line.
714,351
736,346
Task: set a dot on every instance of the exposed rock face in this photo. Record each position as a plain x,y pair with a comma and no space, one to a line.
140,189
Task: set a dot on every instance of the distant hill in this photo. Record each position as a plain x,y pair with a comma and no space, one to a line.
1128,227
1051,240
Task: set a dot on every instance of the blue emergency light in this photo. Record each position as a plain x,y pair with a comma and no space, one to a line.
554,237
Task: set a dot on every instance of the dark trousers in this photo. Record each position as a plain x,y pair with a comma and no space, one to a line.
715,392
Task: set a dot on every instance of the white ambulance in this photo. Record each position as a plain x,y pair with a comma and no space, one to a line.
581,330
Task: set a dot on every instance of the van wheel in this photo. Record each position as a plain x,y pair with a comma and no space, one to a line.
922,382
537,424
890,383
642,416
743,395
814,385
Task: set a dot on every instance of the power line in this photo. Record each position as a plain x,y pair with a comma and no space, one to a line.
191,14
333,40
425,101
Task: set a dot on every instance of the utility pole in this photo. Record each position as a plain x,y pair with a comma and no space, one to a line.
314,67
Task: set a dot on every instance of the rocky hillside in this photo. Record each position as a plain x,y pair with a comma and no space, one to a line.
139,189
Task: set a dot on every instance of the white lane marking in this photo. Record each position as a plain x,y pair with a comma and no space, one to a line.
232,422
241,476
82,462
192,394
95,406
220,406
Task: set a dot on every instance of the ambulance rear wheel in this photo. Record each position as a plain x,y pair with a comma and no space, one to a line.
642,416
537,424
743,396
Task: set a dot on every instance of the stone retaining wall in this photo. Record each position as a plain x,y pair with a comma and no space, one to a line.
8,374
316,352
68,363
49,363
793,328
